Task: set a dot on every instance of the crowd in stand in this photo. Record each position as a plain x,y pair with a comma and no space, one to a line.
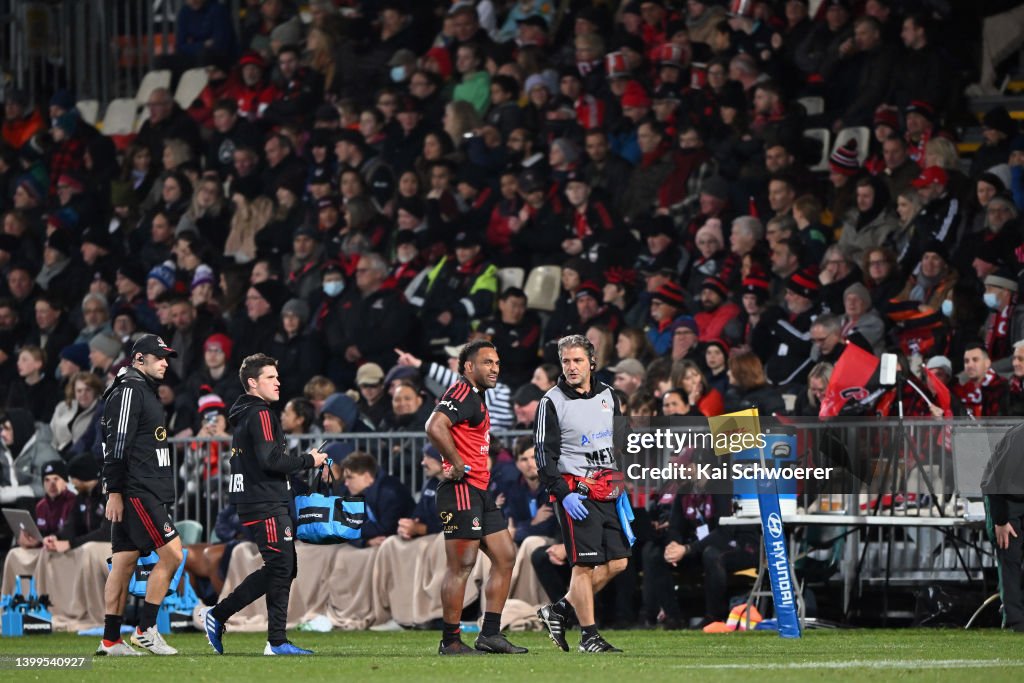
343,192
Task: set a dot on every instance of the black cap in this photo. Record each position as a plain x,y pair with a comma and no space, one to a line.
321,176
84,467
468,238
307,230
576,176
55,467
532,181
353,137
406,237
134,271
326,112
98,236
153,345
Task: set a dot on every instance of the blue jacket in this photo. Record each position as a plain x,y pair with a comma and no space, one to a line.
209,22
521,505
426,509
387,501
661,340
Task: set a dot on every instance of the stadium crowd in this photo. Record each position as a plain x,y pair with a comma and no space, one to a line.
344,193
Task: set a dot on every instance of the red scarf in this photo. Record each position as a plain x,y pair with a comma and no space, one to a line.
997,335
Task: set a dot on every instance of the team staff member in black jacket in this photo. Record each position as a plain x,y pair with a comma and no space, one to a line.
259,488
139,481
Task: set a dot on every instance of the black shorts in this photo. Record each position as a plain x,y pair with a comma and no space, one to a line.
145,526
598,538
467,512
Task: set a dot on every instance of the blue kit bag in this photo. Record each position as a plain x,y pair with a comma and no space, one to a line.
323,519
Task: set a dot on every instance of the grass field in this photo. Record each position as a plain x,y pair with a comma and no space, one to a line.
857,655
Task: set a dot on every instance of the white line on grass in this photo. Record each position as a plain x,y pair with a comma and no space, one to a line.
869,664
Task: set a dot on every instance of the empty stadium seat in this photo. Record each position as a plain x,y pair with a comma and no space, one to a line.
89,110
821,136
812,104
510,277
543,286
190,85
190,531
119,119
863,136
160,78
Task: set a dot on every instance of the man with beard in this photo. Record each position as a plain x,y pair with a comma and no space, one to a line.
603,169
871,223
254,94
983,390
719,318
459,428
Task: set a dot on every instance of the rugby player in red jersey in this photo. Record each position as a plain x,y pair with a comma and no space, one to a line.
460,428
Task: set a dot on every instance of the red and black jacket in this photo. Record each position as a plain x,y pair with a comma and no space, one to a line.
260,460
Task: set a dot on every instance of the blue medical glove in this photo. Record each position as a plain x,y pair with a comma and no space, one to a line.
573,504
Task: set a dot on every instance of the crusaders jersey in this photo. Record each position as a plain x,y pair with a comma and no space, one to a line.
471,429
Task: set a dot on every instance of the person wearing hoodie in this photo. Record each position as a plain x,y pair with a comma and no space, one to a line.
870,223
259,488
299,352
340,415
29,443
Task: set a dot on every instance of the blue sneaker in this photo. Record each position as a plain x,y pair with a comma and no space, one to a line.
285,648
214,631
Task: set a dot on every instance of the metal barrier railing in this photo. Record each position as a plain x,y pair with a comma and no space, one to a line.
202,479
912,478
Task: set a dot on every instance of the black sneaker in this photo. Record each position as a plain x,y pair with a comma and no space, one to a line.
498,645
556,625
596,643
457,648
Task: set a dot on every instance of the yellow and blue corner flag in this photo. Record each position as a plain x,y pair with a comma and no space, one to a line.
779,569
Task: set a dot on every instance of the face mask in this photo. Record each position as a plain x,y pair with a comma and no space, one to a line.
334,287
991,301
398,74
404,257
947,308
